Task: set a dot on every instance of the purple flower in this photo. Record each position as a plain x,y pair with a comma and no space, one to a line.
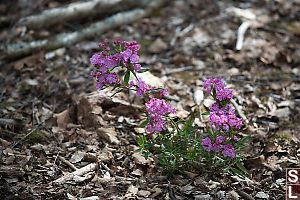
235,138
99,86
215,107
104,61
224,118
141,88
95,59
130,84
216,83
154,128
206,144
136,67
135,47
163,92
219,85
220,139
216,147
126,55
224,94
157,108
134,58
111,78
228,152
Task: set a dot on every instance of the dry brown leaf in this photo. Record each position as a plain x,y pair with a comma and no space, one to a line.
77,157
139,159
63,119
143,193
255,163
158,46
108,134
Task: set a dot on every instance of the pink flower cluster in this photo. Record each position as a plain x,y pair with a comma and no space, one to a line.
105,62
217,146
224,118
127,57
105,78
142,88
222,93
130,55
211,83
157,108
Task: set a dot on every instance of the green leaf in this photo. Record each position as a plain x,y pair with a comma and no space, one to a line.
144,123
244,139
205,113
226,169
146,155
142,70
138,150
189,124
241,167
209,132
219,158
142,140
126,77
237,172
120,90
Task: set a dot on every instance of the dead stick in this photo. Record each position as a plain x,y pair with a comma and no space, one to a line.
53,168
66,39
77,10
78,172
67,163
240,37
23,138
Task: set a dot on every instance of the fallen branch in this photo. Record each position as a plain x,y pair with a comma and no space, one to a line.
240,37
66,39
67,163
77,10
84,171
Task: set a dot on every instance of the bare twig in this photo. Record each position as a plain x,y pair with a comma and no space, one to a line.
240,37
54,163
45,127
79,172
180,33
178,70
105,167
12,171
23,138
67,163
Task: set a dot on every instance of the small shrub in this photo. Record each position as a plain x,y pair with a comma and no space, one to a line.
177,144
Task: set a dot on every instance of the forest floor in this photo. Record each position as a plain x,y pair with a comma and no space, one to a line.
51,124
